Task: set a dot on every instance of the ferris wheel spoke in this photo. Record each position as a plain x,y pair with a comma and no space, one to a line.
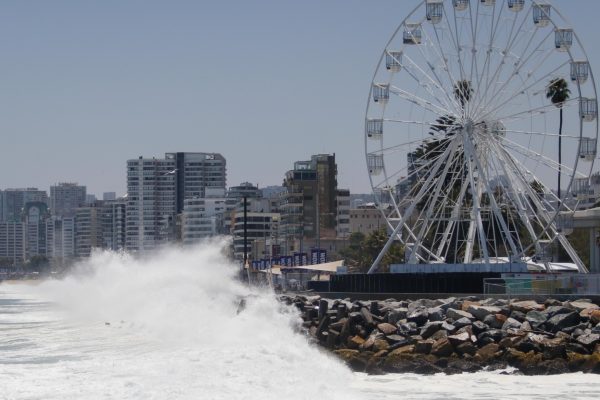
555,234
495,208
486,64
507,99
527,133
507,50
545,160
455,39
537,110
521,205
425,104
520,90
440,53
432,198
517,69
437,81
408,70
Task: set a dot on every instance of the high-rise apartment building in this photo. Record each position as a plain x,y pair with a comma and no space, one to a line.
88,229
12,242
196,171
35,217
65,198
309,206
60,239
12,202
151,202
113,224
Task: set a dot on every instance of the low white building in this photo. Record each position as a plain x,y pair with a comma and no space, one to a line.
203,216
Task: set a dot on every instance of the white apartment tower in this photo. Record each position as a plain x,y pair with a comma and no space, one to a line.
151,202
195,172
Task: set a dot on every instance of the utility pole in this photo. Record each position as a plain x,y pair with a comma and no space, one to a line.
246,237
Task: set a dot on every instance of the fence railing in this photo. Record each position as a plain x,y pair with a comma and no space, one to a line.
566,284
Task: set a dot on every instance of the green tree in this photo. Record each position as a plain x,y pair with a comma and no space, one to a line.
558,92
363,249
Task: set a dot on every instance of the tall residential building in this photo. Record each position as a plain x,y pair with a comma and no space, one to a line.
309,207
65,198
35,216
12,202
12,242
151,202
88,229
60,239
113,224
194,172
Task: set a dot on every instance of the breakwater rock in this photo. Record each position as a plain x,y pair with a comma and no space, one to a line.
455,335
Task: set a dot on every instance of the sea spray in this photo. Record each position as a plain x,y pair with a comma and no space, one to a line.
167,326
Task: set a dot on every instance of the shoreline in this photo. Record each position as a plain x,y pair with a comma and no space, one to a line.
455,335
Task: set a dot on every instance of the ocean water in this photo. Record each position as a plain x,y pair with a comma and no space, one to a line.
168,328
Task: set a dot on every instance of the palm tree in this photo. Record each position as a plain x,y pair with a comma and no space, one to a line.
463,92
558,92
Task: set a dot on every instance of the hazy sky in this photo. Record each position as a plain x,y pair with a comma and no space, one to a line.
86,85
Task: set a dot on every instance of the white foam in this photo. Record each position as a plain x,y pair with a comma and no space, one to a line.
172,332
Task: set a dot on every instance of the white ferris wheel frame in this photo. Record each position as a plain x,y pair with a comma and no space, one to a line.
396,220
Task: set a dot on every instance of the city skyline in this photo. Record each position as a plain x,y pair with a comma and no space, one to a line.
93,85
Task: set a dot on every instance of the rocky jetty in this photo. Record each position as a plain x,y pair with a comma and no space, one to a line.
455,335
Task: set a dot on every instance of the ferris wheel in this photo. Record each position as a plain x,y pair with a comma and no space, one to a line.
481,132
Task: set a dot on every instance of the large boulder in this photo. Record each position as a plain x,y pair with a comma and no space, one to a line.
419,316
536,319
466,348
555,310
459,339
458,314
387,329
480,312
582,305
589,340
526,306
396,315
479,327
562,321
367,316
466,304
355,342
511,323
487,353
408,329
424,346
460,323
495,335
495,321
442,348
595,317
436,314
448,327
430,328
